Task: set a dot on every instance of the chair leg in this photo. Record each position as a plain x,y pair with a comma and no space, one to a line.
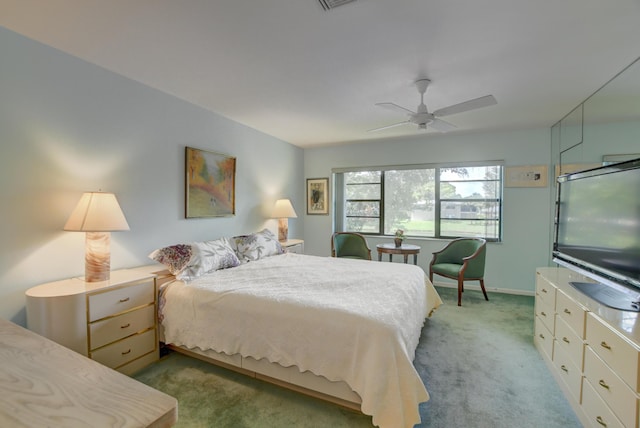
483,290
459,291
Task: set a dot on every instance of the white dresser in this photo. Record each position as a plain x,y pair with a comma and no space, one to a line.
593,351
113,322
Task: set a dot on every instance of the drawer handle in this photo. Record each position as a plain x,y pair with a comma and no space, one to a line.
605,345
543,314
127,325
544,290
564,368
603,384
600,421
565,340
541,336
126,299
567,311
128,351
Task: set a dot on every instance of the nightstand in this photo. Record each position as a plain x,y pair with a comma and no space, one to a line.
293,246
113,322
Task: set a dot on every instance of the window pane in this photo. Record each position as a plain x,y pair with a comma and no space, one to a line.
470,173
467,228
362,225
409,201
363,209
362,177
363,191
469,210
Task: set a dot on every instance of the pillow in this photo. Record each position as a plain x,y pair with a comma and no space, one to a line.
256,246
174,257
189,261
207,257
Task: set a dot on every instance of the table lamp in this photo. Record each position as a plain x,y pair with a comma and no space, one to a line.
98,214
283,211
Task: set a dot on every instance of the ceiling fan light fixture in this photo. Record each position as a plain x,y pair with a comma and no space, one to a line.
332,4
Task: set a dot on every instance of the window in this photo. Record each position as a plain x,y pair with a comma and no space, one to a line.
424,201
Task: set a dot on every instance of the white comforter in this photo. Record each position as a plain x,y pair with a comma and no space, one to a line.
350,320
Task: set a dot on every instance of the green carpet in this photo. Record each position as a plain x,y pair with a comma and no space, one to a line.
477,361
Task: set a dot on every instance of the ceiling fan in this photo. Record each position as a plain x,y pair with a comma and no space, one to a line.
423,118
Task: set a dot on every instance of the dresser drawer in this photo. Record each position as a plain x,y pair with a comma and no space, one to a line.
569,342
572,313
111,329
570,374
546,313
112,302
597,411
123,351
543,338
617,394
619,354
546,291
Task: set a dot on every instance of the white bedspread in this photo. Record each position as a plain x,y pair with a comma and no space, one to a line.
350,320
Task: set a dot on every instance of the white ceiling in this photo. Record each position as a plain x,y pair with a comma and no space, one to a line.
310,77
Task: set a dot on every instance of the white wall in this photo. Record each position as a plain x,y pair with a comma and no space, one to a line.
67,126
511,264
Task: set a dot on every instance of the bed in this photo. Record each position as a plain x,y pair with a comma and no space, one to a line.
344,330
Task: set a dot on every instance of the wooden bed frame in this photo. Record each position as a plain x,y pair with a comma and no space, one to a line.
288,377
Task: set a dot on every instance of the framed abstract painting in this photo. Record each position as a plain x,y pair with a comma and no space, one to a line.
210,184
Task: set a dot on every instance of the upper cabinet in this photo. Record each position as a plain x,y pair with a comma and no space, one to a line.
605,124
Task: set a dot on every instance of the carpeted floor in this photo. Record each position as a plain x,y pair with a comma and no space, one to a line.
477,361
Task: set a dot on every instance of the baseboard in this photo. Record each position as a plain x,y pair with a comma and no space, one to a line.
492,290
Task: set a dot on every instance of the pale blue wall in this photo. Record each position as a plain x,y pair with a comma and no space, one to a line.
526,245
67,126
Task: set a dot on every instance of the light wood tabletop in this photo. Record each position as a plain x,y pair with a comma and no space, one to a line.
43,384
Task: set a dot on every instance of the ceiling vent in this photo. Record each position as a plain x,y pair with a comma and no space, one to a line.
332,4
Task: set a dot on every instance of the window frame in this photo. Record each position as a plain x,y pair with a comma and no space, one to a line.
341,201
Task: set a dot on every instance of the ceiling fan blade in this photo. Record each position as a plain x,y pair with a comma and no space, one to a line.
395,107
406,122
441,125
487,100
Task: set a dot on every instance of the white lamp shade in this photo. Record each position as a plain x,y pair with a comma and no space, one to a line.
97,212
283,209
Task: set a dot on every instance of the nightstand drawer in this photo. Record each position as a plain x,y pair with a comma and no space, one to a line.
111,329
112,302
126,350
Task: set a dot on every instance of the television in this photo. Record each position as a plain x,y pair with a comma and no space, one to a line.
597,232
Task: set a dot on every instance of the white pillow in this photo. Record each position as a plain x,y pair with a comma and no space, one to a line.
256,246
207,257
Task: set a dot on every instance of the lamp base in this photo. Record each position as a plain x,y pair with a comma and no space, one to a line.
283,229
97,256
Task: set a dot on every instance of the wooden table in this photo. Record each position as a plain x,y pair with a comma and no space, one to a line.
404,249
44,384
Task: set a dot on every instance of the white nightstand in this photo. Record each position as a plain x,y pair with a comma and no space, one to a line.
293,246
113,322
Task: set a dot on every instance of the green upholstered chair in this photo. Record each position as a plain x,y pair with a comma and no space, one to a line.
463,260
350,245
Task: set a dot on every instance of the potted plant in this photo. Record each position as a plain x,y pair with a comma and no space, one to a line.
399,237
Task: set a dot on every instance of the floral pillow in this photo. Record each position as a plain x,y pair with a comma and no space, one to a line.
207,257
174,257
256,246
189,261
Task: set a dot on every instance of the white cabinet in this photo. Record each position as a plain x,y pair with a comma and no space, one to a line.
293,246
113,322
595,350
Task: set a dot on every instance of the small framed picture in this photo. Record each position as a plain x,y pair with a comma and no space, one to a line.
318,196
